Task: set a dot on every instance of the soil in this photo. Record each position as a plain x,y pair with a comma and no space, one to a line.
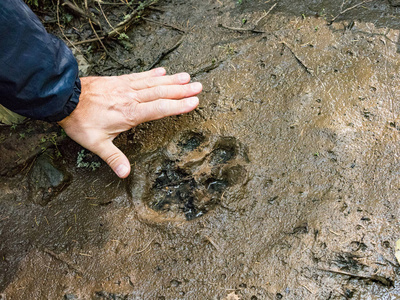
283,184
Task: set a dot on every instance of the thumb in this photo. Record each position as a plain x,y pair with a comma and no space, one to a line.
114,158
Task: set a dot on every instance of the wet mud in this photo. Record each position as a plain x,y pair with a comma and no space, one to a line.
187,178
283,184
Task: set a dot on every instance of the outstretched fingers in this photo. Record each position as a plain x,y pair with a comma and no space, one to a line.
150,82
169,92
152,73
163,108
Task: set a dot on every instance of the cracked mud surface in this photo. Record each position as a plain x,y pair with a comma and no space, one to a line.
283,184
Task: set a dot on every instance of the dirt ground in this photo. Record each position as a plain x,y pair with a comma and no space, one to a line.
283,184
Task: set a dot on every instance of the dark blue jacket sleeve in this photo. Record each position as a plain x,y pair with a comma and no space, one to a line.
38,73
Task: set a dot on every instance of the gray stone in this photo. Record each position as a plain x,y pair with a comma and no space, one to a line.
83,65
46,180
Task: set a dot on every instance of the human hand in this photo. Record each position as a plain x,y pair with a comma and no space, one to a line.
111,105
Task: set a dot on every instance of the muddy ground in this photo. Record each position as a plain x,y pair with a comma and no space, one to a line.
283,184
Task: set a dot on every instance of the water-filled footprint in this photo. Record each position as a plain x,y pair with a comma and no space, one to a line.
187,178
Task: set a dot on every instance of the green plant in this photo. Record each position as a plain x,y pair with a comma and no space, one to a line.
229,50
63,133
33,2
81,163
123,36
52,139
322,14
67,18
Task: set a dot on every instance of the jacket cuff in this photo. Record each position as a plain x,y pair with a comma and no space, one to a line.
70,105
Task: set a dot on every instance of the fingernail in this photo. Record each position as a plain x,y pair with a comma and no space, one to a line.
197,87
183,77
193,101
160,71
121,170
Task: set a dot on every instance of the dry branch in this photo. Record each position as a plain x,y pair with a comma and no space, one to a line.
122,27
80,12
376,278
130,19
254,28
301,63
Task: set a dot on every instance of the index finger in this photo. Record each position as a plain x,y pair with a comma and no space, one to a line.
169,92
142,75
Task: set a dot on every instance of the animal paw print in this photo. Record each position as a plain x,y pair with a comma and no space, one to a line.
187,178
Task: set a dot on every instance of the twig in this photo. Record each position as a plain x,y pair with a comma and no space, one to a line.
335,233
157,8
144,249
62,31
302,64
383,280
163,24
104,15
119,28
165,53
105,49
131,19
97,36
89,41
110,3
30,167
308,289
213,243
254,28
80,12
207,68
347,9
266,14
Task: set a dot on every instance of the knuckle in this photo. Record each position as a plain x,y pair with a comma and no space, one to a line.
130,113
147,83
177,78
159,92
112,159
181,91
160,107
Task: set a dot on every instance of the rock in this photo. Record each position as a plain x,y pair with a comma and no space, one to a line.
83,65
70,297
46,180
